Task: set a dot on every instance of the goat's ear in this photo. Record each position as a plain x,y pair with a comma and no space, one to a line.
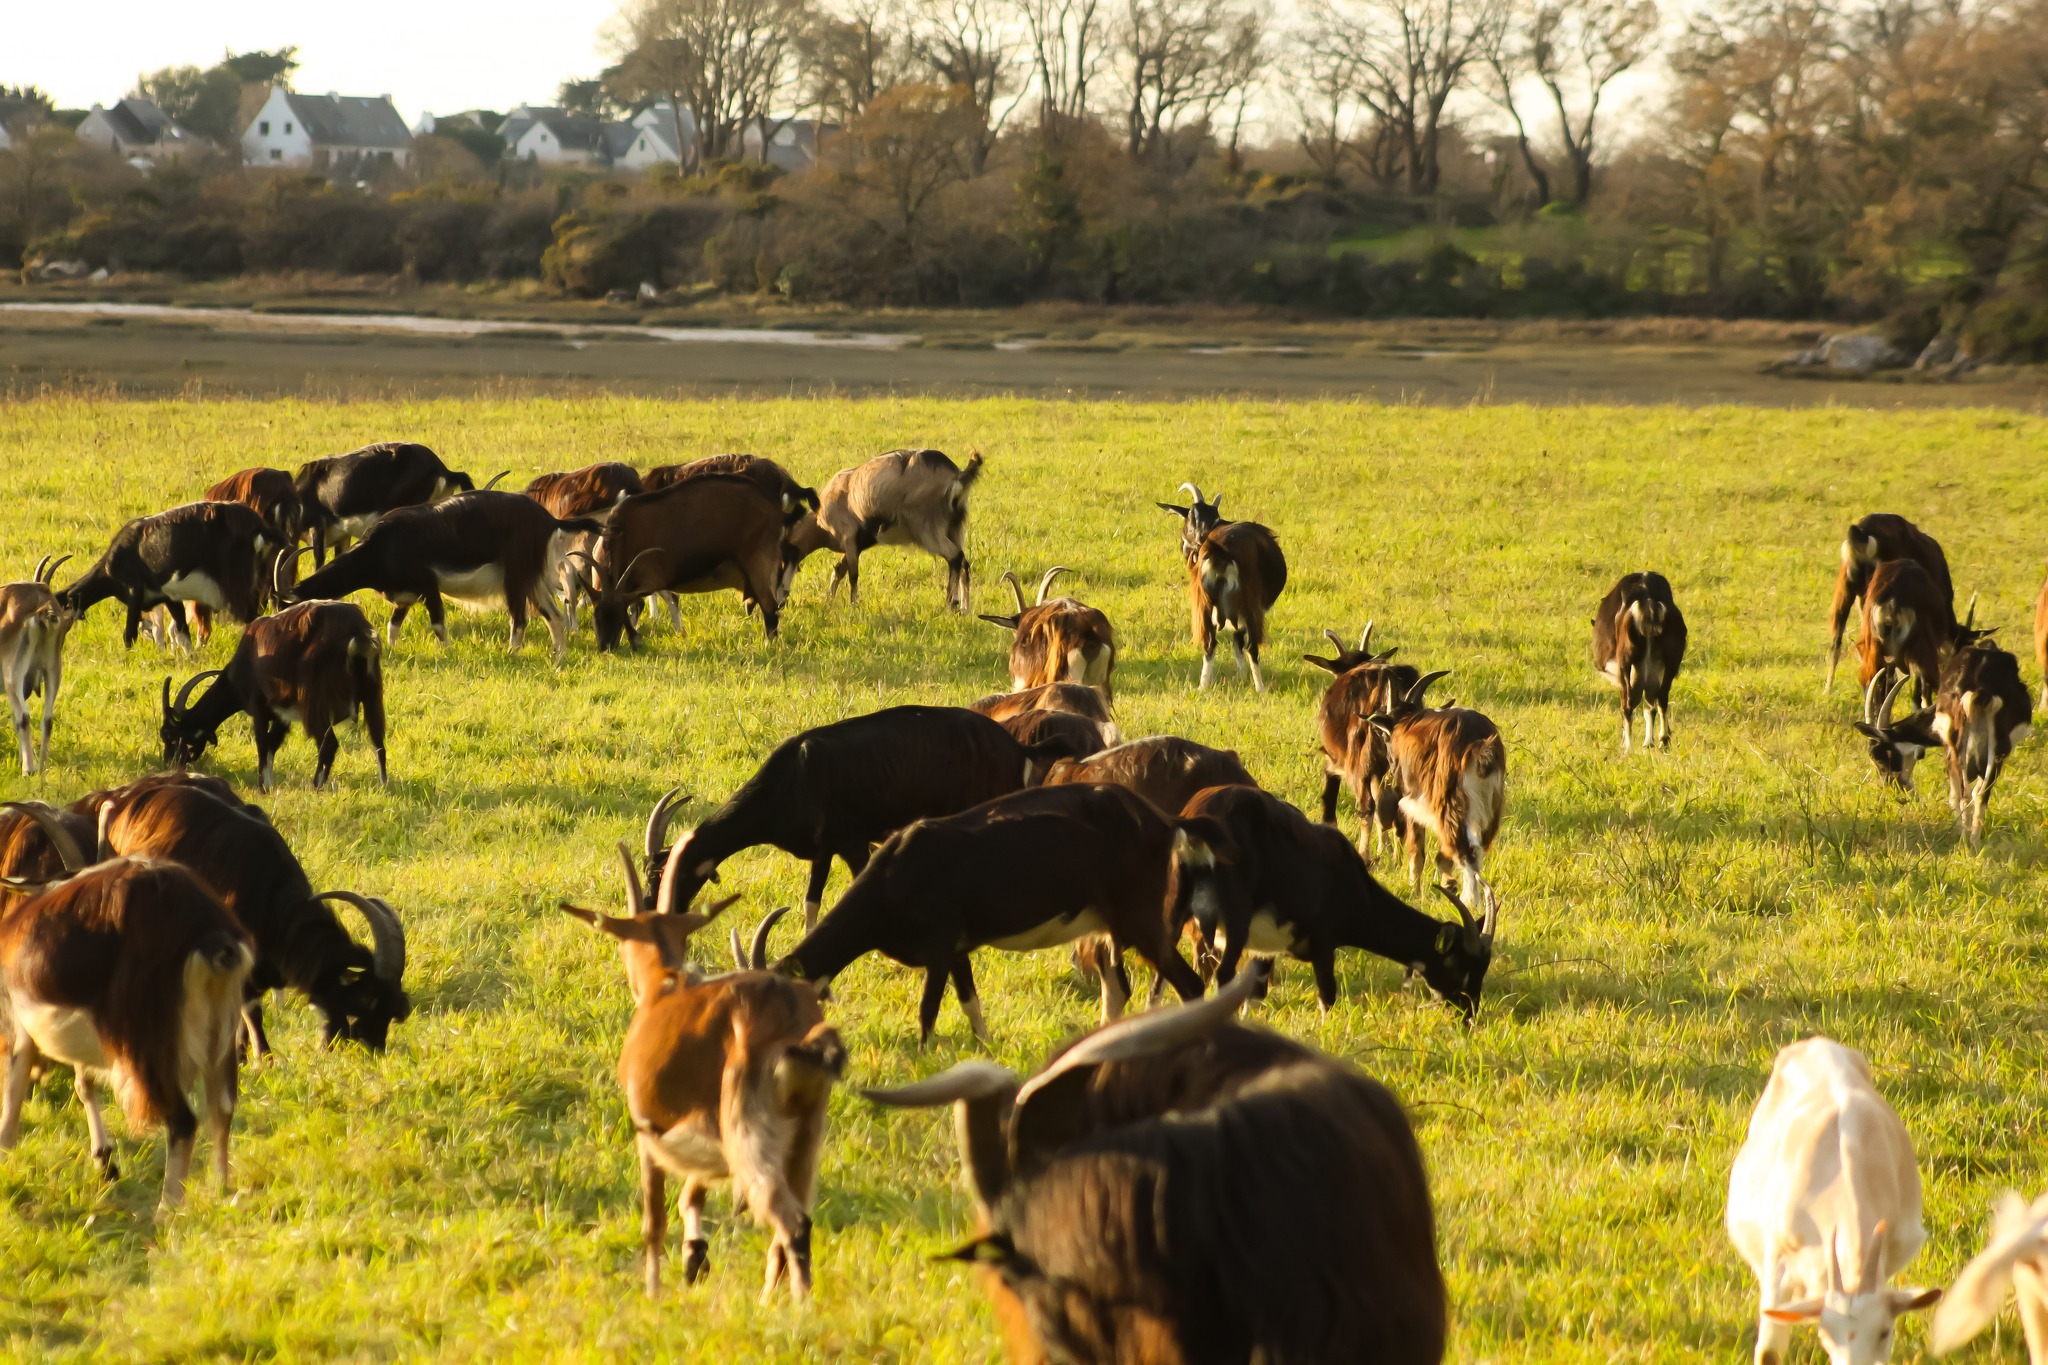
1910,1299
1864,727
1006,622
1169,507
1333,665
1806,1310
617,928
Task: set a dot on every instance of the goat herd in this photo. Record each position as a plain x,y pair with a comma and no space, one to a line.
1130,1202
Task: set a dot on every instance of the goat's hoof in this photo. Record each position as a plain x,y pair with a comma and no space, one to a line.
109,1170
696,1260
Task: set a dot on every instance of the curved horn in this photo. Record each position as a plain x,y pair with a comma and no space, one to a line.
665,894
1153,1031
68,851
495,478
1471,925
1045,583
1884,716
636,895
1195,490
1336,641
657,821
619,578
280,564
1870,696
1017,588
1414,694
41,565
739,950
1365,639
387,935
192,682
964,1081
1835,1262
1871,1278
1970,618
103,847
757,956
167,696
50,575
28,886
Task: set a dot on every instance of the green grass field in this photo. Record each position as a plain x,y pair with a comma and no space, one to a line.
1668,922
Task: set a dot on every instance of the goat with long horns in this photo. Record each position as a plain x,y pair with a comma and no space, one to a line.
1061,640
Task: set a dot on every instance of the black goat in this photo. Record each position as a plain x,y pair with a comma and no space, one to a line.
212,553
341,497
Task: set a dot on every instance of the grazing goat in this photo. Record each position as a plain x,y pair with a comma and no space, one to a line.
1179,1188
317,663
1058,641
1075,698
1870,542
130,968
765,474
1639,646
1909,623
1896,746
343,497
212,553
1985,708
477,547
1447,773
592,491
233,849
1235,574
270,494
2015,1259
33,624
726,1078
1045,731
1276,882
837,790
1032,870
1826,1172
907,497
703,535
1354,752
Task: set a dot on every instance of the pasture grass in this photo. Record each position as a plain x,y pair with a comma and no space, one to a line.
1668,921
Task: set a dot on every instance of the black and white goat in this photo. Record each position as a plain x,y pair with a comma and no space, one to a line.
342,497
1639,646
216,554
1896,744
906,497
1235,574
33,624
1058,641
1984,709
1177,1188
317,663
476,547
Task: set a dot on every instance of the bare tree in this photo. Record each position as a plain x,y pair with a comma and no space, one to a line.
1574,49
968,45
850,59
1065,39
1179,61
1411,55
729,62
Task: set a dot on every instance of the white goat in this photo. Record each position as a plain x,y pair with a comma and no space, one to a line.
2016,1259
33,624
1826,1172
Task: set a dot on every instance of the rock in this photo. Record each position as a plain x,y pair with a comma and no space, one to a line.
101,275
649,291
1860,353
60,270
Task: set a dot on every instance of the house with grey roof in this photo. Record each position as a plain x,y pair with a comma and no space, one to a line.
553,137
139,128
793,145
326,132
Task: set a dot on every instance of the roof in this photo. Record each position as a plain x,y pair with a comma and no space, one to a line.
138,122
619,139
572,132
350,120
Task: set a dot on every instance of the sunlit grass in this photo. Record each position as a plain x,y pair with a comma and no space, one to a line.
1668,921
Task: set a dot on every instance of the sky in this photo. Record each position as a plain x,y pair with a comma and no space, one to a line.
434,56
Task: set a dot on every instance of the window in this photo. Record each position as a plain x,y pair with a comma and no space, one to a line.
287,128
276,155
264,127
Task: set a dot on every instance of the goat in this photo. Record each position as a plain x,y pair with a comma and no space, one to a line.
1047,731
268,493
1275,882
1180,1188
1909,623
906,497
1447,773
1075,698
1826,1168
317,663
299,943
1896,746
2041,639
1877,538
1354,753
474,547
2015,1259
33,624
1035,869
726,1078
592,491
703,535
213,553
1639,646
837,790
1235,575
1985,708
42,843
765,474
1058,641
343,497
130,968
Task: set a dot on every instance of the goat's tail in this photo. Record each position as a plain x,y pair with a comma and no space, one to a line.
964,480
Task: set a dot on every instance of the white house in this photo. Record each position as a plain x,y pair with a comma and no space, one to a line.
137,129
650,139
793,146
552,137
323,131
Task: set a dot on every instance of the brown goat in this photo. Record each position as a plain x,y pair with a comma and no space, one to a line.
33,624
1058,641
1235,574
1075,698
271,495
907,497
1354,752
592,491
1909,623
702,535
726,1079
1870,542
1056,731
771,478
130,967
1447,776
1639,646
